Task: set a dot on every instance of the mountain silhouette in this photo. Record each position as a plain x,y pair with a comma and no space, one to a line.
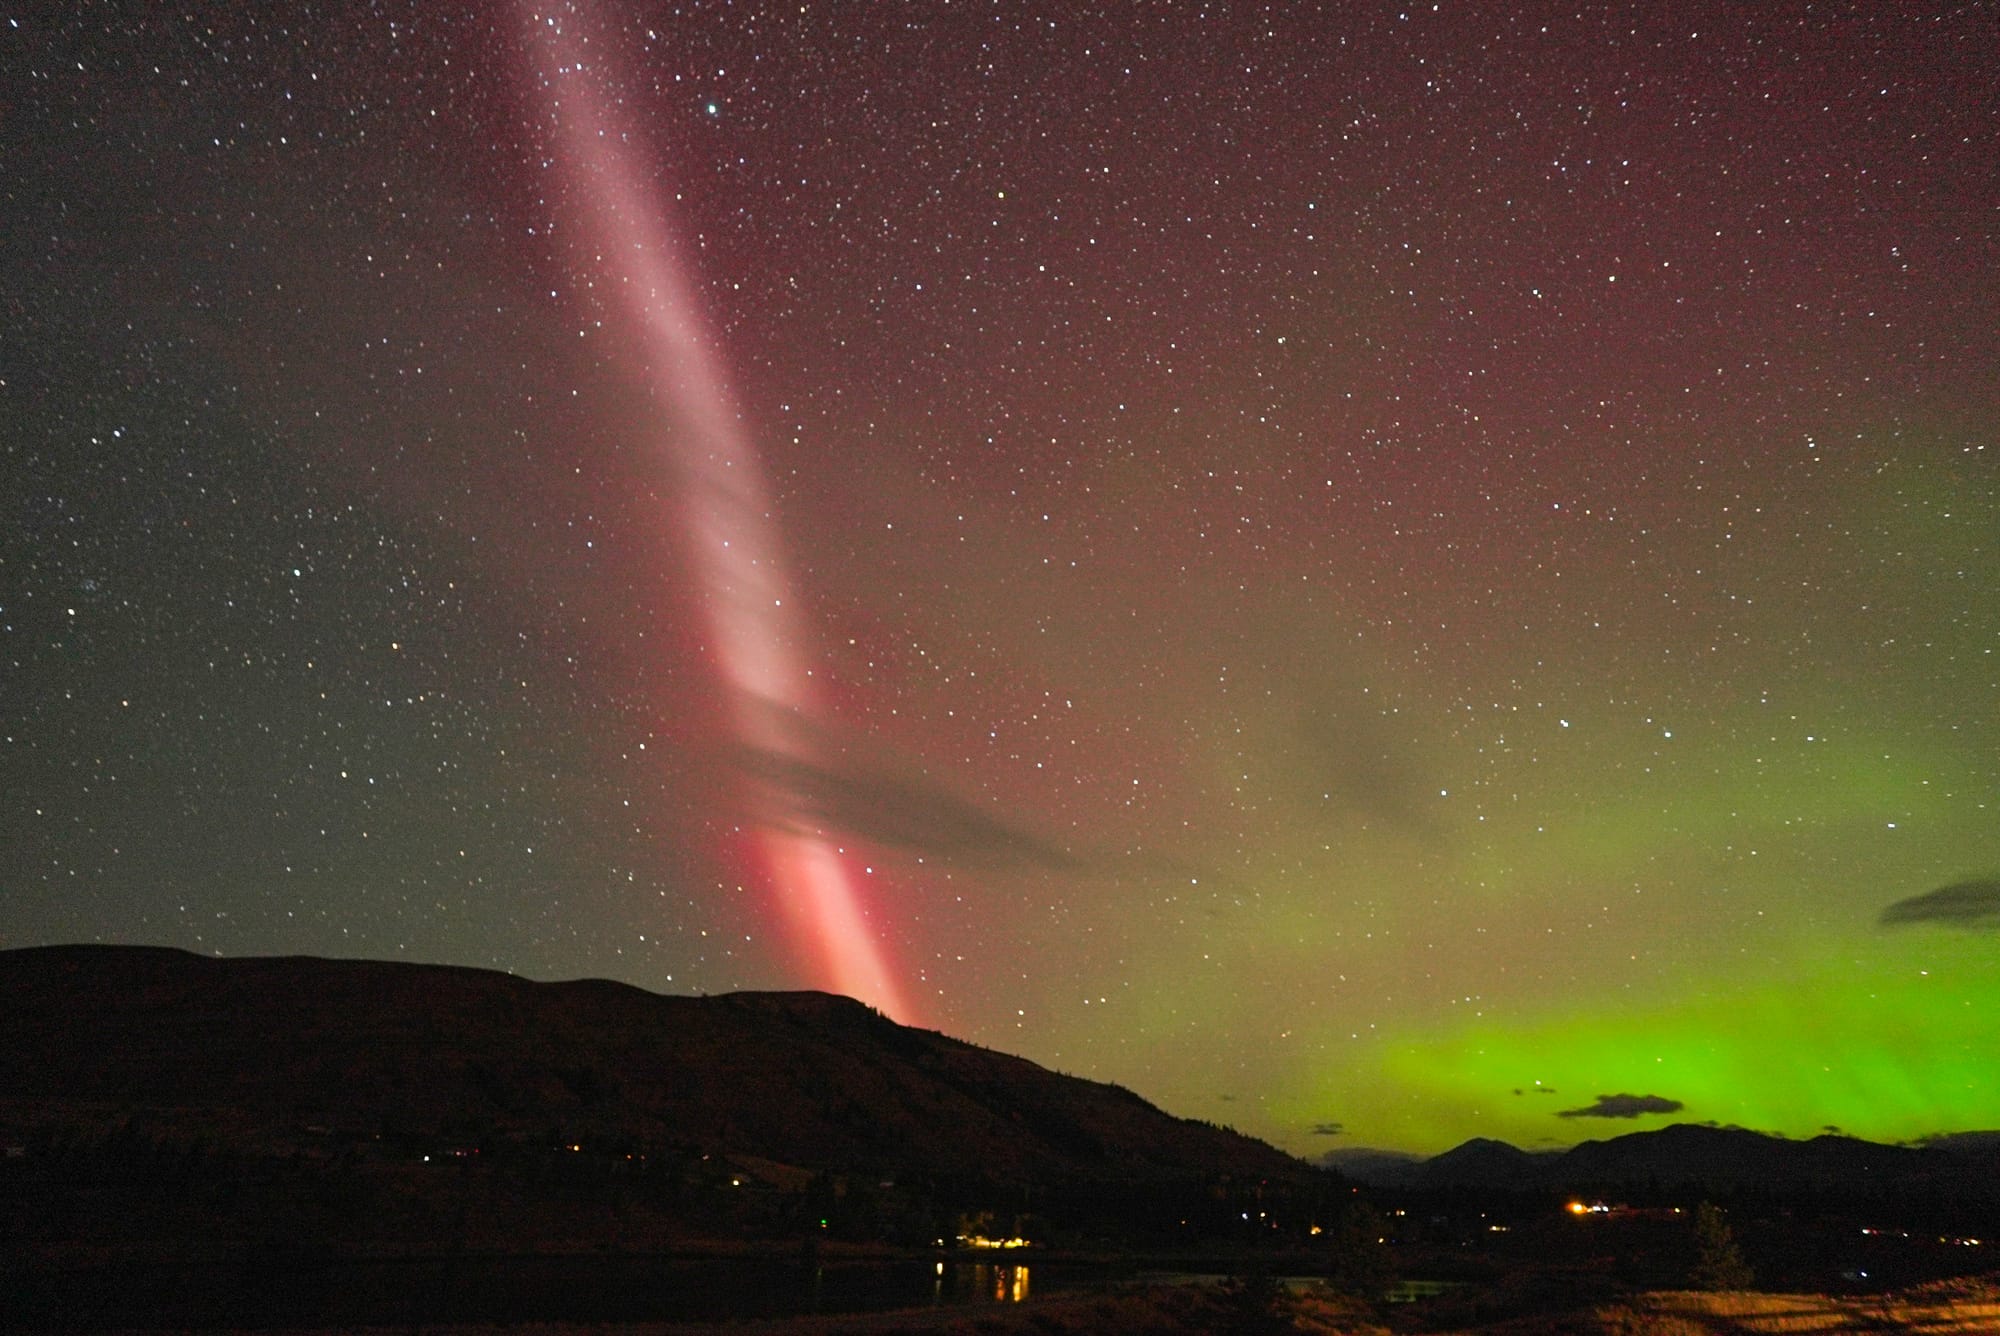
1695,1158
264,1049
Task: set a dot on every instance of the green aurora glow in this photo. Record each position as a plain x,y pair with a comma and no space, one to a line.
1352,558
1887,1038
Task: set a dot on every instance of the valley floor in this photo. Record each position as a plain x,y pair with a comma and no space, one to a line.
1957,1306
1968,1306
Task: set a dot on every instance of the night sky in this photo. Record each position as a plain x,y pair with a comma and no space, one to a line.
1377,574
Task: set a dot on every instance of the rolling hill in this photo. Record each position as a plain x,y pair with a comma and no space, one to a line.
269,1051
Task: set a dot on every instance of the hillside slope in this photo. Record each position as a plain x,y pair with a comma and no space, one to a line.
269,1047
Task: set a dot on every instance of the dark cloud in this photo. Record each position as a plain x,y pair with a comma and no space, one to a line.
1328,1129
1963,904
1344,752
891,810
1624,1106
1333,747
1538,1089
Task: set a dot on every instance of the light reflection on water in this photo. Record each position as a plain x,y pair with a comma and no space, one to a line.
980,1282
863,1288
347,1294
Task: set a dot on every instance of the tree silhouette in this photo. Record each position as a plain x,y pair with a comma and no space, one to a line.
1718,1262
1359,1263
1256,1304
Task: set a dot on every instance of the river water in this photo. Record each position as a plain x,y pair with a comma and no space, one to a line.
585,1287
575,1288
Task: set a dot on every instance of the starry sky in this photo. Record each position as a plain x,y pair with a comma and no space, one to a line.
1377,573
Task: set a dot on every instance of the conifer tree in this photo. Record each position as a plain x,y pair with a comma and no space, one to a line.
1718,1262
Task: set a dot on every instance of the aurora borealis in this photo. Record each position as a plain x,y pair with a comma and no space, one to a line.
1375,573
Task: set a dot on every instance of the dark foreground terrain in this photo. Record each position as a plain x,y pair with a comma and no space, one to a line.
153,1094
1970,1307
278,1142
301,1144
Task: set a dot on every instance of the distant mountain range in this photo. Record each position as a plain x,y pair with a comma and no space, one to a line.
294,1057
1697,1158
270,1053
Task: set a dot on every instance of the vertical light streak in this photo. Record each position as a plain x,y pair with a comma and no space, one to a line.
729,536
